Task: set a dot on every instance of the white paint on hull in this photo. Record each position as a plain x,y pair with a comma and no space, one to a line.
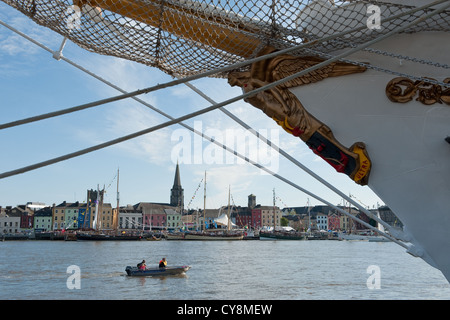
405,141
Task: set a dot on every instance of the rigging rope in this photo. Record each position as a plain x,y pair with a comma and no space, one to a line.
195,192
229,67
289,157
168,123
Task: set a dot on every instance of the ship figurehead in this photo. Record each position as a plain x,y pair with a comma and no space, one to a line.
287,110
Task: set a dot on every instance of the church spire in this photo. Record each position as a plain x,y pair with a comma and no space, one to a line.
177,192
177,180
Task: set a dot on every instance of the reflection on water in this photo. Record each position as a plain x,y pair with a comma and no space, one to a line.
220,270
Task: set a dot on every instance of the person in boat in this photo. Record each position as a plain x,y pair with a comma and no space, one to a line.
142,265
163,263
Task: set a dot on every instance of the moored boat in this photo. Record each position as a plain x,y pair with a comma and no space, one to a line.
107,237
319,236
70,236
175,236
14,236
214,235
281,235
251,235
167,271
49,235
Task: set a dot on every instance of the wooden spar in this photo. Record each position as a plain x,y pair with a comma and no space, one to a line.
218,31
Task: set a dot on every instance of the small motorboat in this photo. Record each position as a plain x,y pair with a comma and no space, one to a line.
167,271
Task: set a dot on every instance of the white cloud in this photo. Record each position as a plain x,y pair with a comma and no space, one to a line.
153,146
13,44
220,178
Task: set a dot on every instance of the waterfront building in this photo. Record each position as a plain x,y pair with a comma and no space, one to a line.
43,219
256,218
242,216
322,221
153,214
206,218
33,206
295,221
386,214
345,222
58,216
66,215
23,212
105,217
297,210
201,219
362,216
71,216
10,222
85,216
251,201
130,218
174,221
26,216
190,219
266,216
334,222
81,215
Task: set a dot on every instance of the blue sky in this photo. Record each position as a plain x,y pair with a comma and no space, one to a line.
33,83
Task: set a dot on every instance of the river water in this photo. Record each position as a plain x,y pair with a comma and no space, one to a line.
221,270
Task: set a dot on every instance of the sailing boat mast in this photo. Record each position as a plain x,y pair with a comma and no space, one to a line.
228,213
118,199
116,220
96,209
350,222
274,211
204,204
309,218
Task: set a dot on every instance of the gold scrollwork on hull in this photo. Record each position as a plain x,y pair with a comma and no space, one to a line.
403,90
284,107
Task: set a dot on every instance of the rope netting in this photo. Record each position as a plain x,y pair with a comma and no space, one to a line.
187,37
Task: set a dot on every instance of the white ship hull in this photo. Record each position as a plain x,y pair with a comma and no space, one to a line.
405,141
